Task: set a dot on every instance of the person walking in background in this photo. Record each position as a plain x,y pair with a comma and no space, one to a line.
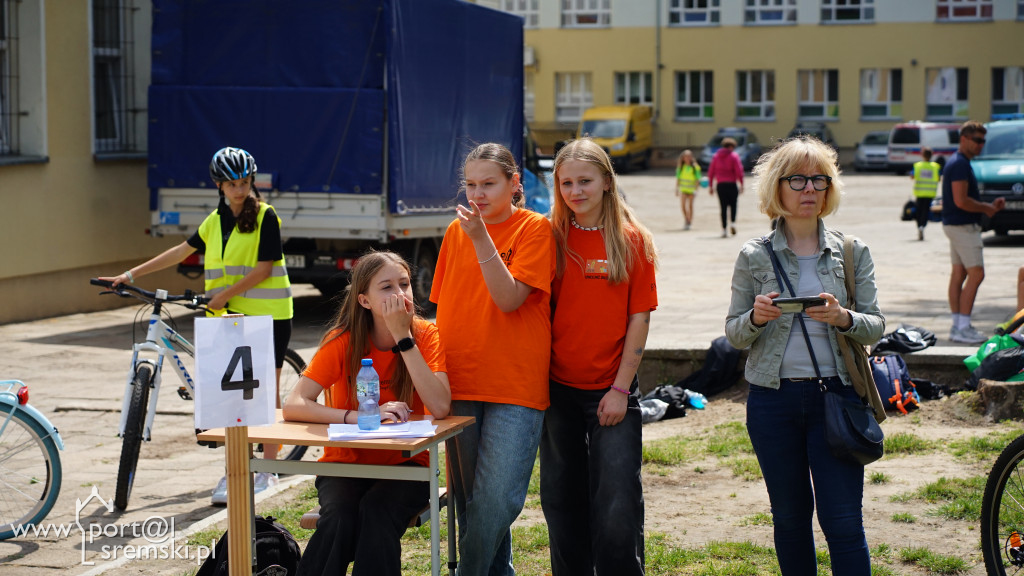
603,295
362,519
244,266
961,222
687,183
794,359
727,171
492,286
926,183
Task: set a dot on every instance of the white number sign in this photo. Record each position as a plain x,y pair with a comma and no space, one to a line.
235,373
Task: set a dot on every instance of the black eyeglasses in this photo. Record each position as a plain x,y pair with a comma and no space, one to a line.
979,140
797,182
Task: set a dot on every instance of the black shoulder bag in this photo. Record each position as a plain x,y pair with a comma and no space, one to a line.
851,431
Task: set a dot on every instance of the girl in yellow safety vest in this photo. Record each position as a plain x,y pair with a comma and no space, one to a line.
687,182
244,264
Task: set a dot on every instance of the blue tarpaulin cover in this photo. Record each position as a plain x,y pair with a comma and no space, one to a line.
330,94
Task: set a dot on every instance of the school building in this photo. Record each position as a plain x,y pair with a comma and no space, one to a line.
857,65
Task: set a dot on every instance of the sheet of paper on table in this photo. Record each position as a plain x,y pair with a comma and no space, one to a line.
411,429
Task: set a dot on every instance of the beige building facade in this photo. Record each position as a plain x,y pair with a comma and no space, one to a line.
856,65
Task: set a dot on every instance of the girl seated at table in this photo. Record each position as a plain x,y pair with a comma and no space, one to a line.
362,520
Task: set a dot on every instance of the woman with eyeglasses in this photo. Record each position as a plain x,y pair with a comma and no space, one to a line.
794,357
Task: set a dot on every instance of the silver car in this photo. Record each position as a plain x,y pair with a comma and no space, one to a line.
872,152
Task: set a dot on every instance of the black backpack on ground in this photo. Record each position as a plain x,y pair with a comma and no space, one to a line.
719,371
277,552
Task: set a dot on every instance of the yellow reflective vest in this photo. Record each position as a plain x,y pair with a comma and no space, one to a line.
926,179
226,265
688,177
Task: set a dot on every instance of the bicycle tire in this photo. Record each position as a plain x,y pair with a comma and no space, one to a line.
1002,510
290,373
132,441
27,478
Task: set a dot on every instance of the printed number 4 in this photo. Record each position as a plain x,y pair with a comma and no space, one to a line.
247,384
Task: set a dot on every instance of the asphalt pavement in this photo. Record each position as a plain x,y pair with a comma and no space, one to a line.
76,365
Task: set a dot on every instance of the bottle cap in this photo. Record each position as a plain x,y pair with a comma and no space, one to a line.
367,362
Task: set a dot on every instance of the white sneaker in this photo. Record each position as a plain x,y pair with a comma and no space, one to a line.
968,335
264,480
920,233
686,226
220,493
725,233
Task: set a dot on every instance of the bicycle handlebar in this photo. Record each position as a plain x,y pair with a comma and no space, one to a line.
194,301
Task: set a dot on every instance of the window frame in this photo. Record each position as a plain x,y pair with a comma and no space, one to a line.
705,106
958,106
579,96
529,10
9,40
829,105
755,11
1002,105
573,10
864,8
678,10
945,10
117,88
646,87
893,106
766,104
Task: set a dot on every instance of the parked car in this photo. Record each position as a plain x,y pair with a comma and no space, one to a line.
1000,173
907,139
872,151
817,129
747,146
624,132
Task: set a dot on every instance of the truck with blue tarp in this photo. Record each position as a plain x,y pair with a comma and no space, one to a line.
358,112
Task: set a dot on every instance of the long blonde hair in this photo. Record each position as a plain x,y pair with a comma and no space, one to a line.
617,218
353,318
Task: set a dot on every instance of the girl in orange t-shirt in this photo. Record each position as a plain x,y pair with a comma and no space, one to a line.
362,520
603,295
492,287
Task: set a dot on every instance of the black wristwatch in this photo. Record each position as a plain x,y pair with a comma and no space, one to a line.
403,345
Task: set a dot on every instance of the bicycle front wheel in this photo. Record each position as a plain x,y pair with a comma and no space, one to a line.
1002,512
290,374
30,472
132,441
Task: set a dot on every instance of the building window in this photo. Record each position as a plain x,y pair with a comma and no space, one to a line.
951,10
528,96
633,88
586,13
572,96
1020,9
946,93
22,82
9,77
770,12
847,10
1008,90
881,94
819,94
695,97
118,121
528,9
693,12
755,95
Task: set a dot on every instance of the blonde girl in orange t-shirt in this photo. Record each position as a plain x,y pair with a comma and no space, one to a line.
603,295
362,520
492,286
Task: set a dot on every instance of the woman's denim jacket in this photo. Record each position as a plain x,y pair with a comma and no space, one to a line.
754,275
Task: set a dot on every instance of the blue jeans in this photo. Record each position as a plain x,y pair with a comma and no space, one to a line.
590,486
490,465
787,430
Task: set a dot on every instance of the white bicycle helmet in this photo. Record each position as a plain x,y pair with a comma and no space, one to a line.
232,164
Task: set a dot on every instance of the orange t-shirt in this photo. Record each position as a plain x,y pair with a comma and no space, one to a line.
328,369
588,330
493,356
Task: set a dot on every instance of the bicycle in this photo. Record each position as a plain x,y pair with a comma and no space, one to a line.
1002,512
138,409
30,470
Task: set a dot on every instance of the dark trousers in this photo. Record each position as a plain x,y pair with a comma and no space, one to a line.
362,521
786,428
728,193
590,486
924,208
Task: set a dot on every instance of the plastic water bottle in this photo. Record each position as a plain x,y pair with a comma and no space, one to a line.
368,396
696,399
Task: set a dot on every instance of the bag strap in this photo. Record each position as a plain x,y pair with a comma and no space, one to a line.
780,278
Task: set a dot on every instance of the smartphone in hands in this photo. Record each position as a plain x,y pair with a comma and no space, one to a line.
796,305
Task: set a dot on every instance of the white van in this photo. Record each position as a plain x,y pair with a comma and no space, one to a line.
907,139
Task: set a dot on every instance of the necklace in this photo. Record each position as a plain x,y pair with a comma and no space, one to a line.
584,228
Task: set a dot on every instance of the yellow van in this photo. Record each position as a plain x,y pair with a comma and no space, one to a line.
623,131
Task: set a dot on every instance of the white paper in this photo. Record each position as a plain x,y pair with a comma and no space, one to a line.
235,374
411,429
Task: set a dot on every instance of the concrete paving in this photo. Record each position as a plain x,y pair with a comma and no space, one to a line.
76,365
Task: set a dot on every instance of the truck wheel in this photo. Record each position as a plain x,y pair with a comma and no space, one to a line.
423,277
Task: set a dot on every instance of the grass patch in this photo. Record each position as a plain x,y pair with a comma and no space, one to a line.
728,441
907,443
746,468
958,498
903,518
937,563
878,478
983,447
759,519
